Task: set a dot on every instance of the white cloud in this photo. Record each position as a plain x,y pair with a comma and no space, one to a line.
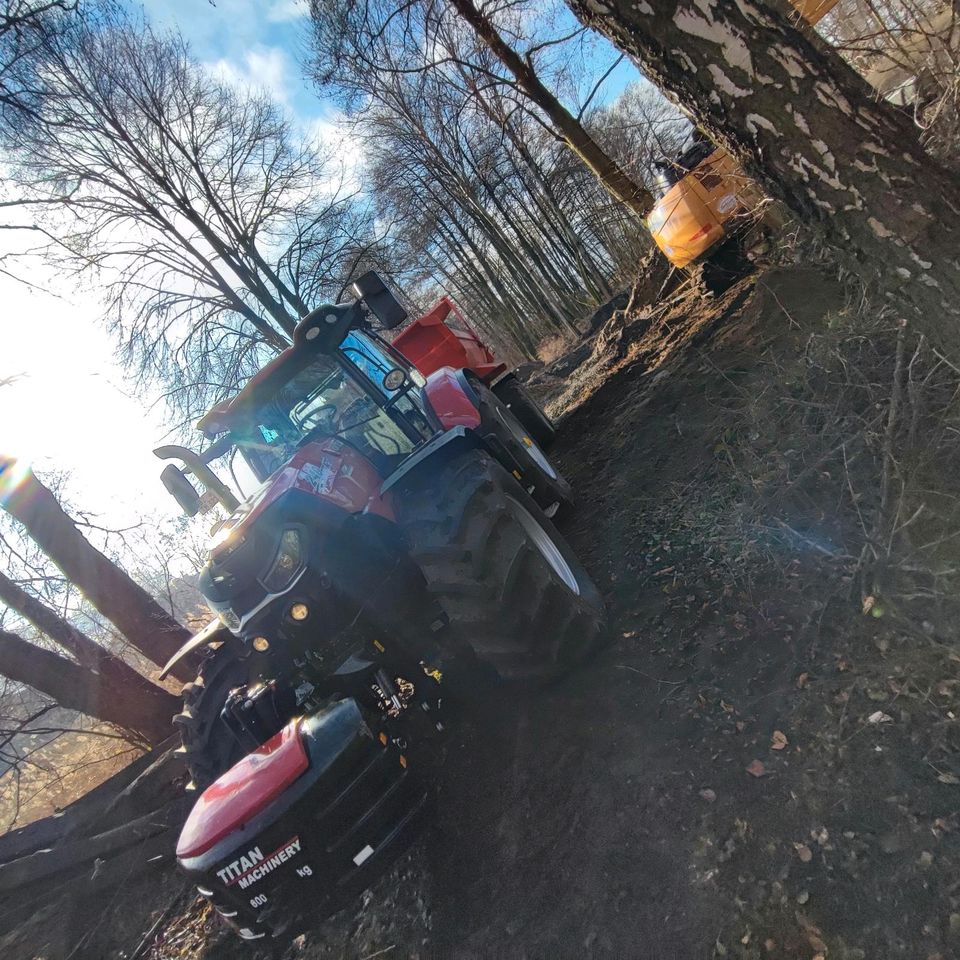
281,11
333,137
263,68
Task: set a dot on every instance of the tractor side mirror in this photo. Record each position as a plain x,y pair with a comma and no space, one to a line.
380,300
181,489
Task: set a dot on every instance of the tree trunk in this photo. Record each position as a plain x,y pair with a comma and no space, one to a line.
115,674
801,120
606,169
77,688
129,607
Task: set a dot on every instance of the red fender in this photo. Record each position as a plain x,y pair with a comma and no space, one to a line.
449,400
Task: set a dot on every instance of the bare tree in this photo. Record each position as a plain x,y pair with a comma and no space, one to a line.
214,225
371,38
487,200
136,614
573,133
75,687
25,26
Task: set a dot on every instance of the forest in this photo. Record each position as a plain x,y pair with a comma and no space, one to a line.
742,741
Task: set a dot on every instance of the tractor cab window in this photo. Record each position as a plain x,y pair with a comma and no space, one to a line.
372,360
323,399
377,364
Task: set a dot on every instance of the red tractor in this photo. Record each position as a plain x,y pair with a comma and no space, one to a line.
397,551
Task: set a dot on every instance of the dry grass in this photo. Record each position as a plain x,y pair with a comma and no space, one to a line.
849,439
56,771
552,348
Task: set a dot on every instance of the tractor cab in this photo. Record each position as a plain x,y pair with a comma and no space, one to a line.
338,381
360,392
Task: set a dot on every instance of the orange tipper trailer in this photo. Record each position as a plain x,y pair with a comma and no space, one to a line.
702,194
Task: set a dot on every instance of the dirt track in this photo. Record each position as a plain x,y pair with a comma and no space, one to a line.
614,815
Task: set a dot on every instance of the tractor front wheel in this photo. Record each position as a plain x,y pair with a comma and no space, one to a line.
209,747
511,585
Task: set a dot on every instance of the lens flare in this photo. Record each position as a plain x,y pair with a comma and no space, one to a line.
13,475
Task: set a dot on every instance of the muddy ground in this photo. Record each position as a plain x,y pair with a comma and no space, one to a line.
751,768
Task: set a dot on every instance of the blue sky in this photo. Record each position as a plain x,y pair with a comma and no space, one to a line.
259,43
263,43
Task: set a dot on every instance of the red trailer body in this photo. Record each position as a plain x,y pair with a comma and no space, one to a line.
429,344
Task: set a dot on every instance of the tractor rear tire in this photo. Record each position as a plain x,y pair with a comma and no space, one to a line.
209,748
514,394
511,585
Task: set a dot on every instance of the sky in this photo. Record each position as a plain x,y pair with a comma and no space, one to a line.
73,408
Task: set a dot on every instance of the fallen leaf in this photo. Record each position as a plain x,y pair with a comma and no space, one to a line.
756,769
779,740
879,717
812,932
868,603
803,852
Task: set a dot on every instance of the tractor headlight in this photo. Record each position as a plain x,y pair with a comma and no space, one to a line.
286,564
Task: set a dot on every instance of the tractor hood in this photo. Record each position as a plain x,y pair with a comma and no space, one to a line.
327,469
259,551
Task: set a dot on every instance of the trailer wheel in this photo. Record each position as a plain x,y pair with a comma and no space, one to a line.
538,474
514,394
511,585
209,747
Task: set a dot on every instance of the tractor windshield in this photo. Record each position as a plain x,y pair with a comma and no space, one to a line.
343,395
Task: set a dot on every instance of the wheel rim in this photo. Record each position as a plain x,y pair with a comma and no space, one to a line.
546,545
533,450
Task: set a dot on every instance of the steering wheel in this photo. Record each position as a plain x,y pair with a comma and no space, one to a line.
324,418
